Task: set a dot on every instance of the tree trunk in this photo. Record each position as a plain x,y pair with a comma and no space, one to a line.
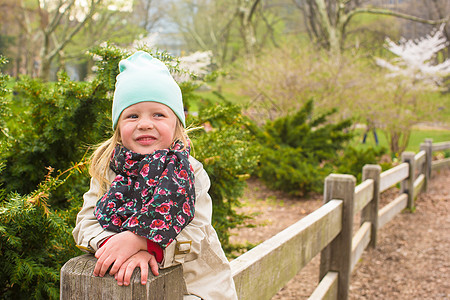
246,12
393,143
50,50
328,26
398,140
44,67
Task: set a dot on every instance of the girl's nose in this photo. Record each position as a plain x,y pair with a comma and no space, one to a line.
145,124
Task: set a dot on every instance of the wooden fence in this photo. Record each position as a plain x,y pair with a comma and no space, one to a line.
261,272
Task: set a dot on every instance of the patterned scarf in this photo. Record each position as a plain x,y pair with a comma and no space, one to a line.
152,195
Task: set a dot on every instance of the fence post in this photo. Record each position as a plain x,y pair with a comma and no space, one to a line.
337,255
407,185
78,283
428,147
370,212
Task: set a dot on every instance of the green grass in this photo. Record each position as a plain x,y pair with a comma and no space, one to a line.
417,137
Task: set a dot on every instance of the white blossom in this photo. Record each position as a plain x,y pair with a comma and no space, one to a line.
196,63
150,40
416,59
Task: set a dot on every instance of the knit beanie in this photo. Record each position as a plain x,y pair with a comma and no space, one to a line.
145,78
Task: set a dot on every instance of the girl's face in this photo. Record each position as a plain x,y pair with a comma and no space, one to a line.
147,126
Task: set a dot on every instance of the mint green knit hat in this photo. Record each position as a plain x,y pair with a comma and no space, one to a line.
145,78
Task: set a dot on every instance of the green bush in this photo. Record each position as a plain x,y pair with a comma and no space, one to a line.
56,123
35,241
229,157
353,160
300,149
287,169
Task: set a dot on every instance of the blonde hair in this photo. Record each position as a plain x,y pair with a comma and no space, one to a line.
101,156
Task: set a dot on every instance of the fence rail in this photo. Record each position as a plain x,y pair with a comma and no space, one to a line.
286,253
388,212
363,195
441,146
393,176
360,242
437,164
261,272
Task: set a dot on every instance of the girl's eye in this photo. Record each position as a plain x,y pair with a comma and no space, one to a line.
132,116
159,115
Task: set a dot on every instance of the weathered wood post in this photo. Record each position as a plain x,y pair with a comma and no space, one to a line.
370,212
427,146
337,255
78,282
407,185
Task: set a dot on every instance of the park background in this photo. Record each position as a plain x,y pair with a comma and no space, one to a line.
286,92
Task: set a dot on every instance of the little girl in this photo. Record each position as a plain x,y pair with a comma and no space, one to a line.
154,207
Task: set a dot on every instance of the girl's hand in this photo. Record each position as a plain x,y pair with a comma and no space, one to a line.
141,259
116,251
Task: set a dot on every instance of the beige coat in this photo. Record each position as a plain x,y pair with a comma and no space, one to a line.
206,269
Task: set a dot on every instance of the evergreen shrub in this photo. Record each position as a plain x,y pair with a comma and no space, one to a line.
56,123
229,155
299,150
353,160
35,241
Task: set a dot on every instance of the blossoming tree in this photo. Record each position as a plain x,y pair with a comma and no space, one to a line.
416,59
414,72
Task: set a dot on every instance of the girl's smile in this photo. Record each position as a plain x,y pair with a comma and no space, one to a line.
146,139
147,126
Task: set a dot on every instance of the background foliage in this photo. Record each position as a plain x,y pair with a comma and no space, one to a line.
35,242
272,57
299,150
57,122
229,155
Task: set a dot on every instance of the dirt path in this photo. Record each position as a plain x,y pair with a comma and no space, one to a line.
411,261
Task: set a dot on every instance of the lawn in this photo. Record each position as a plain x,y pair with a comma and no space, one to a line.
417,137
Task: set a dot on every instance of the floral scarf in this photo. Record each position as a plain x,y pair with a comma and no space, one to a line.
152,195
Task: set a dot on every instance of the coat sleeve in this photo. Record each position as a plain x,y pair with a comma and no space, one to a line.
87,232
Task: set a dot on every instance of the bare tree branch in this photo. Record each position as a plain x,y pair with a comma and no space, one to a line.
252,10
387,12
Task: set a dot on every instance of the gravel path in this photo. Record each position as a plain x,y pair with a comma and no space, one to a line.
411,261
